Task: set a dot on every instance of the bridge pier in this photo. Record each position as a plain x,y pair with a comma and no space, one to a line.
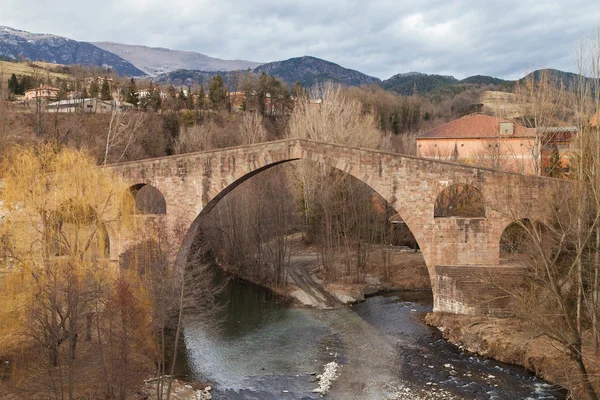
476,289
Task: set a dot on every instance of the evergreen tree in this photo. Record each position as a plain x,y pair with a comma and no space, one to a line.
13,84
26,82
154,99
200,99
94,89
395,121
189,99
554,169
105,91
64,90
132,94
217,94
261,93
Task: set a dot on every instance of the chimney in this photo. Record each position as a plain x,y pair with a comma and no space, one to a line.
507,128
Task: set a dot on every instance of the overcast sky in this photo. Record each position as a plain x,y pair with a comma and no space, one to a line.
504,38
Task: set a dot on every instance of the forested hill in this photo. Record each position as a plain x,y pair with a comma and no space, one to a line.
416,82
557,77
60,50
310,70
306,70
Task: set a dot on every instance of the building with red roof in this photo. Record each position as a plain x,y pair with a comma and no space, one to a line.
496,143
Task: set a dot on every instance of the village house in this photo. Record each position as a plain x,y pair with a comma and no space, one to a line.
237,100
44,92
98,79
497,143
142,94
89,105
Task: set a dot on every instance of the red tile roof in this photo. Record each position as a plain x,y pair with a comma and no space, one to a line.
474,126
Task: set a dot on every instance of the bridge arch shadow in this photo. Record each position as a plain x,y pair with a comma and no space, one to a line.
148,199
398,210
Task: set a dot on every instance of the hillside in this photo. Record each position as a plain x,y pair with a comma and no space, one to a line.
412,82
59,50
186,77
18,68
554,75
157,60
501,104
310,70
483,80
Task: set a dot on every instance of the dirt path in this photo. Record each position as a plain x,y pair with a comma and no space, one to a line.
299,273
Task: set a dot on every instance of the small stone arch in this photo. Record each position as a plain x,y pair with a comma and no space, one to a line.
514,237
148,199
79,216
518,239
460,200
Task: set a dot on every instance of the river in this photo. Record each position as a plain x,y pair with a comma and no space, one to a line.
267,348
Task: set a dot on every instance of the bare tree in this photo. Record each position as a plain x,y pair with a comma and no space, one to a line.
563,254
123,129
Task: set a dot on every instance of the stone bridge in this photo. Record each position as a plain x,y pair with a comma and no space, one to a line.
459,252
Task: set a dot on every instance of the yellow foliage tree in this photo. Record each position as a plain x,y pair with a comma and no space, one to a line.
55,271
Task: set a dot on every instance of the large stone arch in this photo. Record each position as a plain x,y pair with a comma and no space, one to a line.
225,186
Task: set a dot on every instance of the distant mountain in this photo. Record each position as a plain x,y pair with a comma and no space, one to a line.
410,83
60,50
310,70
186,77
567,78
483,80
306,70
158,60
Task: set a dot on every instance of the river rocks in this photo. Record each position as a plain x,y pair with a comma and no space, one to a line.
506,340
179,391
327,378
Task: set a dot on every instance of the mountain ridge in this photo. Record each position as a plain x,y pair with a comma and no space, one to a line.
56,49
309,70
158,60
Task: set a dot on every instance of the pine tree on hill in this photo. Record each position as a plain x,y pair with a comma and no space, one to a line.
217,94
132,93
13,84
105,91
94,89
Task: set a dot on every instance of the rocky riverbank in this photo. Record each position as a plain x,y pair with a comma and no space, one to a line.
179,391
510,340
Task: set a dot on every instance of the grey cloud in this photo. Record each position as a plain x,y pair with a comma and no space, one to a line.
380,38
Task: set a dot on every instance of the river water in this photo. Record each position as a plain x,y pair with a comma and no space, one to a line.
266,348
